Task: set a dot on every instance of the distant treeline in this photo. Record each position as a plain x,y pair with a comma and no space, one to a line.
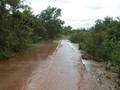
102,41
19,27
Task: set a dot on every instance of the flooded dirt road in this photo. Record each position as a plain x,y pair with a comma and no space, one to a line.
52,66
15,72
61,74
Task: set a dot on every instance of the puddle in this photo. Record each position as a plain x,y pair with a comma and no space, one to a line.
15,71
104,78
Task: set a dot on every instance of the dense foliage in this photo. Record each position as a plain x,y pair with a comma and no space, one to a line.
66,30
102,41
19,27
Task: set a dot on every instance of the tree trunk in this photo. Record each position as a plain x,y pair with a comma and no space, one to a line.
119,74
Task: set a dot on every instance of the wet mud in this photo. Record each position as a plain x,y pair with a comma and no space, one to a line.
15,72
54,65
61,74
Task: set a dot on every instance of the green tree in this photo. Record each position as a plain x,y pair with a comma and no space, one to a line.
66,30
52,24
102,41
15,28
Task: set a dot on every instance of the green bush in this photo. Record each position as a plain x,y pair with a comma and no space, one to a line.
75,38
101,41
5,53
36,39
24,27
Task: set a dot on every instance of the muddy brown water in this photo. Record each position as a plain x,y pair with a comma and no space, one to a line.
50,66
15,71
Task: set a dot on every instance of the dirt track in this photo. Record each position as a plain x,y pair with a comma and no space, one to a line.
59,74
48,67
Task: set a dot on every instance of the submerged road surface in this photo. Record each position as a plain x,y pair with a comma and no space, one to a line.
59,74
47,67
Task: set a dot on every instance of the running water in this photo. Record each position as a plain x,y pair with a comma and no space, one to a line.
52,66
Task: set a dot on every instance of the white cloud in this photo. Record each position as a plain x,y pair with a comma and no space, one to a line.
80,13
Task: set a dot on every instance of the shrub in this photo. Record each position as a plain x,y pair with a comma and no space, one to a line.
5,53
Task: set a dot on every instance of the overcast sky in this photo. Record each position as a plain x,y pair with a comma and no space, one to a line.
80,13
